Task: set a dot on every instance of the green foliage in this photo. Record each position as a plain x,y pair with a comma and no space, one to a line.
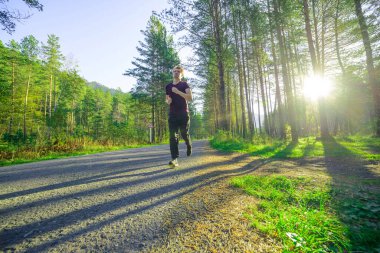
30,47
361,211
152,69
37,150
8,17
44,107
362,146
224,141
52,54
297,211
197,124
245,37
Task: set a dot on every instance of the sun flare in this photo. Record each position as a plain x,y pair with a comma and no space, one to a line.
317,87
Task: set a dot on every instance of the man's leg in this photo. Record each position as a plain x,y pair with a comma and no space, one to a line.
184,128
173,133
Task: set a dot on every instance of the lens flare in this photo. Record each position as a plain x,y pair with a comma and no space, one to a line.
317,87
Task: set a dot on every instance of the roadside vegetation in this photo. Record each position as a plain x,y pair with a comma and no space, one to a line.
295,210
17,154
337,212
365,147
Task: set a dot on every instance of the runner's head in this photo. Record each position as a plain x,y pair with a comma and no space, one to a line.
178,72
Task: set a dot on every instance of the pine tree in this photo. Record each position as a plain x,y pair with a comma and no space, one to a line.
153,71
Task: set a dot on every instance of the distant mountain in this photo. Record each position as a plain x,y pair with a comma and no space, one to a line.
97,85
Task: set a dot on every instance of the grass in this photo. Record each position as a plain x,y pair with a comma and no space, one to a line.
297,211
26,156
362,146
361,212
309,214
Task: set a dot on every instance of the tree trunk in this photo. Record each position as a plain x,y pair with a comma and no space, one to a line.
269,103
219,55
152,125
12,101
236,110
229,112
55,98
242,102
216,112
252,96
50,95
258,106
26,101
288,92
316,33
308,34
337,47
322,62
243,56
316,68
372,78
249,97
46,99
278,91
264,102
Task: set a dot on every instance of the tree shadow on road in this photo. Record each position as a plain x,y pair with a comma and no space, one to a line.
183,181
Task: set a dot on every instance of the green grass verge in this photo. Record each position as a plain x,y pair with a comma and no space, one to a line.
297,211
361,146
364,146
55,154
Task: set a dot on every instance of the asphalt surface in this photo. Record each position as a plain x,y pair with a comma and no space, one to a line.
107,202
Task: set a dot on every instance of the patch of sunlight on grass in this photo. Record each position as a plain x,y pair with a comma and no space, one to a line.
275,148
365,147
295,210
265,150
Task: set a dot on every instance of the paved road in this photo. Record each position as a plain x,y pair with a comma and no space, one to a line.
114,201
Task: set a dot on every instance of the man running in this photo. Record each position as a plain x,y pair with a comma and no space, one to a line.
177,94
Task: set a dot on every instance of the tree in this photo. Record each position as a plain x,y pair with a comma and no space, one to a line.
285,73
53,61
153,71
373,78
14,58
72,92
30,49
79,112
317,68
9,17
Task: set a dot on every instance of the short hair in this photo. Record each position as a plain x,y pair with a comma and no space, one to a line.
180,68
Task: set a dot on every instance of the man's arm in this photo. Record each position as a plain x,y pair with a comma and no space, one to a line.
187,96
168,99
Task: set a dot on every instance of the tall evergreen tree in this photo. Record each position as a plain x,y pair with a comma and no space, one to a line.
153,71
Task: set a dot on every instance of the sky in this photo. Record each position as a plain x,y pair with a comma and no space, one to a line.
100,36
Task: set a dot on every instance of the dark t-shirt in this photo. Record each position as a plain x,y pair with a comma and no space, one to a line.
179,104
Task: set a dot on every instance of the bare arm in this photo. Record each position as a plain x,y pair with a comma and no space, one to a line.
188,95
168,99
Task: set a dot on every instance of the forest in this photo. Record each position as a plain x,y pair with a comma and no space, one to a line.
285,68
47,106
278,69
285,129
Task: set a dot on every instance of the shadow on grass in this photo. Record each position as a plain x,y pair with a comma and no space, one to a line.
264,151
270,151
309,148
287,151
355,193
